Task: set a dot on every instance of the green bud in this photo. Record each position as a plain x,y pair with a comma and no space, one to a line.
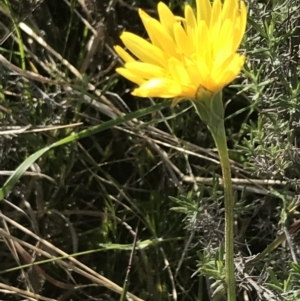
209,107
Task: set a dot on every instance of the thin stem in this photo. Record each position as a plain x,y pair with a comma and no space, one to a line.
219,136
210,109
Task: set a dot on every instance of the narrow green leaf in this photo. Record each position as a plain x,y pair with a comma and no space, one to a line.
14,178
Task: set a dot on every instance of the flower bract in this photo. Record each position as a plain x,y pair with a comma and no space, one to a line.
185,55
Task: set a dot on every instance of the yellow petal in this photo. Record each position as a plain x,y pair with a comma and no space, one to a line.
166,17
204,51
240,25
215,21
203,11
204,75
145,70
158,87
229,69
142,49
191,24
224,45
167,44
124,55
194,73
230,9
183,41
145,19
178,72
130,76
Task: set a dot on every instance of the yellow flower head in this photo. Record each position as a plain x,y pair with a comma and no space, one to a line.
186,55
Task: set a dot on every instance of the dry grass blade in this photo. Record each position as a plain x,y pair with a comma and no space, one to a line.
76,265
7,289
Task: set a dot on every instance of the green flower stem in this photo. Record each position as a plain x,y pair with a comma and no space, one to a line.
210,109
220,140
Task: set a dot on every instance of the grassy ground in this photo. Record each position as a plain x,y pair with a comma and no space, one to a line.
102,192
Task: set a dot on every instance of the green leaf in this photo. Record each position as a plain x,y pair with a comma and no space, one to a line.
14,178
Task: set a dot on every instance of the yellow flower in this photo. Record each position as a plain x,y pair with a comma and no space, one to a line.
186,55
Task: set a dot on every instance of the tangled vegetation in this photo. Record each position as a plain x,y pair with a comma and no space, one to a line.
103,193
